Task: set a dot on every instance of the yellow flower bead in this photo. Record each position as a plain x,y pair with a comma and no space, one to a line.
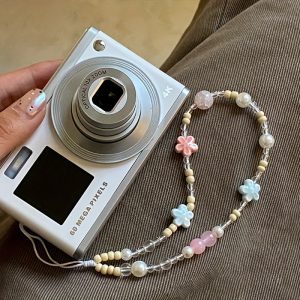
191,199
188,172
227,94
98,267
234,95
110,270
117,271
186,121
118,255
173,227
167,232
104,256
232,217
187,115
190,179
263,163
104,269
111,255
97,259
190,206
236,213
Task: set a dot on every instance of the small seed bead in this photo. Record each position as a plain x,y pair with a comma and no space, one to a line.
190,206
186,121
237,213
118,255
187,115
111,255
232,217
98,267
104,269
259,114
262,119
191,199
173,227
227,94
189,172
97,259
167,232
110,270
263,163
190,179
261,168
234,95
117,271
104,256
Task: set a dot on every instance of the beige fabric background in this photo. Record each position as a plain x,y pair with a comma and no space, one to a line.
244,45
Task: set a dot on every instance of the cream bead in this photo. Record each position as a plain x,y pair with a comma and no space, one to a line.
173,227
117,271
266,141
188,172
167,232
118,255
261,168
186,121
190,206
243,100
139,269
263,163
187,115
104,269
97,259
187,252
227,94
234,95
110,270
191,199
262,119
259,114
232,217
98,267
236,212
190,179
104,256
218,231
111,255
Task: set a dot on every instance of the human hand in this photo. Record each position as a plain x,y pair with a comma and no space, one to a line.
18,119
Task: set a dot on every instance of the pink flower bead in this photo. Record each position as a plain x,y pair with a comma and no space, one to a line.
198,246
186,145
208,238
204,100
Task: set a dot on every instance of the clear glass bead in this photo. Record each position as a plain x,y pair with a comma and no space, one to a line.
166,264
126,269
157,268
126,254
150,269
149,246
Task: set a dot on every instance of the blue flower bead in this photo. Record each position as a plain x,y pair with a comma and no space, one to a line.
250,190
182,216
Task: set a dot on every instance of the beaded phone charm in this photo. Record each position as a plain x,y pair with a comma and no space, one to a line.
183,214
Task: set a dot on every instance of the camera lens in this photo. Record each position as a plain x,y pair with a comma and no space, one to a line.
107,95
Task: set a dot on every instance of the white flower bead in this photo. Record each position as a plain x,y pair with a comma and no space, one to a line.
218,231
187,252
266,141
139,269
126,254
243,100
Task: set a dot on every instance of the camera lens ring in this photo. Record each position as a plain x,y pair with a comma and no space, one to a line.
87,148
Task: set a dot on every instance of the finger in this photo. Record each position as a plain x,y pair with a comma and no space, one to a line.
20,119
15,84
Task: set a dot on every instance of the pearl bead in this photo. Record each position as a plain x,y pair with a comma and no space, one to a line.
198,246
208,238
218,231
126,254
266,140
243,100
139,269
188,252
204,100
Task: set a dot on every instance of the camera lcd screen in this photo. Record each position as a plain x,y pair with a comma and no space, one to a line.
53,185
107,95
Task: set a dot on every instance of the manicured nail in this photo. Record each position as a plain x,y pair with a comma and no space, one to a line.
32,102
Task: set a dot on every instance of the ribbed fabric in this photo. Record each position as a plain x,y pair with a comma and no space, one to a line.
239,45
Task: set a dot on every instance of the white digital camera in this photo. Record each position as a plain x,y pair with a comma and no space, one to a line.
106,109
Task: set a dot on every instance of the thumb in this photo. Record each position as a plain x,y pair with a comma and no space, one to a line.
20,119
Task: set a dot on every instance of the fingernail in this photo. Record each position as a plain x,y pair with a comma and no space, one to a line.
32,102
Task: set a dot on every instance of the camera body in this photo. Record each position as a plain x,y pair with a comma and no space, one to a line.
106,109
